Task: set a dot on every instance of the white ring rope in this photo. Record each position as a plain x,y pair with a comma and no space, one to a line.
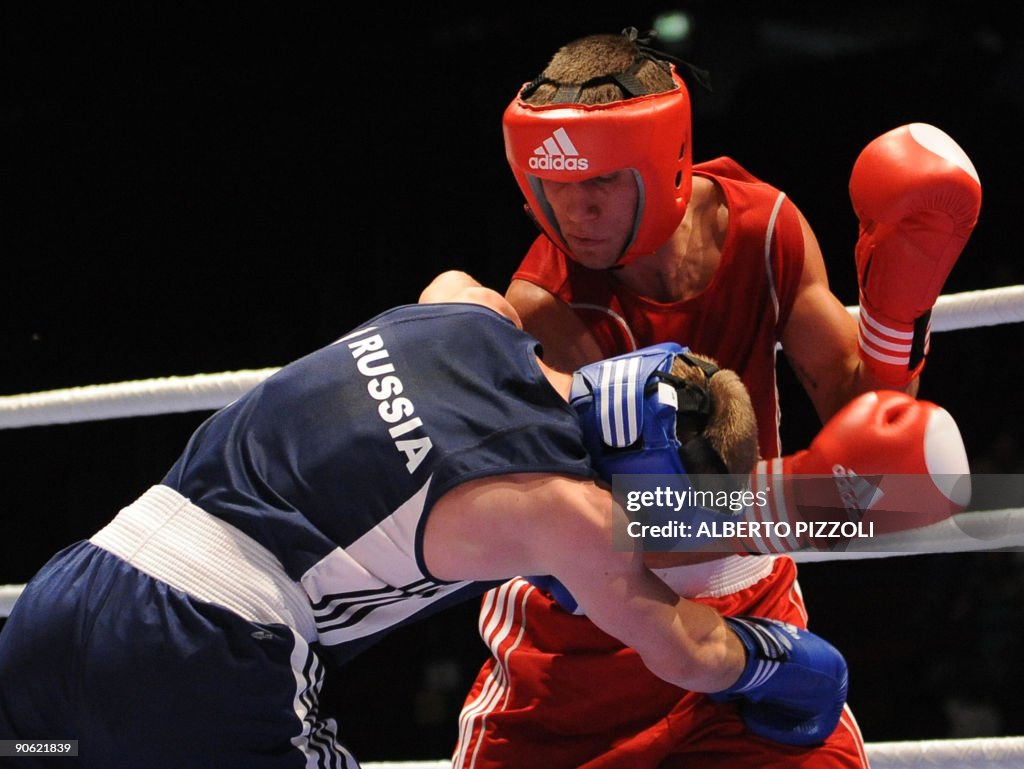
986,752
8,595
201,392
973,309
976,753
145,397
973,531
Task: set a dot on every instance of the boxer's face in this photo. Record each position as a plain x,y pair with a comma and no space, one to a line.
595,216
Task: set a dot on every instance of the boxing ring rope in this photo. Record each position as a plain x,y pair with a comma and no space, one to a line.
166,395
973,309
986,752
986,530
163,395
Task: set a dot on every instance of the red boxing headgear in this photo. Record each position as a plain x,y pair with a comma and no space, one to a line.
649,135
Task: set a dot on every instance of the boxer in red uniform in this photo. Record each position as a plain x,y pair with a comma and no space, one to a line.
639,246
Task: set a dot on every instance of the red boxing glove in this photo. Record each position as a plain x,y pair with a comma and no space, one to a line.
917,196
884,459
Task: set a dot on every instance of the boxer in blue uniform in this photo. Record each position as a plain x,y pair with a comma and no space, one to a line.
419,460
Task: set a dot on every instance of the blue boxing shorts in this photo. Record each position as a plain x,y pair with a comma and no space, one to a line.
144,674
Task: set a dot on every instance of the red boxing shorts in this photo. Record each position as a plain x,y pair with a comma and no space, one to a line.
560,693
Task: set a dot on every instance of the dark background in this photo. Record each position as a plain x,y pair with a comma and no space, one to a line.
187,190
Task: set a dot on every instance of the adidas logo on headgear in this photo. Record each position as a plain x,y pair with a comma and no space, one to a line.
558,153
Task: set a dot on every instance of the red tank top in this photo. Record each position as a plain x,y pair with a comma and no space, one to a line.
737,319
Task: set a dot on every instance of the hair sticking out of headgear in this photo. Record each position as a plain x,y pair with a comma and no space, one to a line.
570,93
702,76
730,430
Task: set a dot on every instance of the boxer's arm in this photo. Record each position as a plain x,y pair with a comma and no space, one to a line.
820,339
567,342
495,528
789,684
917,205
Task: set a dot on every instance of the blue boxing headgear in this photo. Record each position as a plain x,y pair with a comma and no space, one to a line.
632,411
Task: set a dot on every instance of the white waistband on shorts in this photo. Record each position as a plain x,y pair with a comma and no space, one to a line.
717,578
167,537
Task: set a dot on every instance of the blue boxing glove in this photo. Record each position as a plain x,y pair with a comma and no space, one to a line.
793,687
